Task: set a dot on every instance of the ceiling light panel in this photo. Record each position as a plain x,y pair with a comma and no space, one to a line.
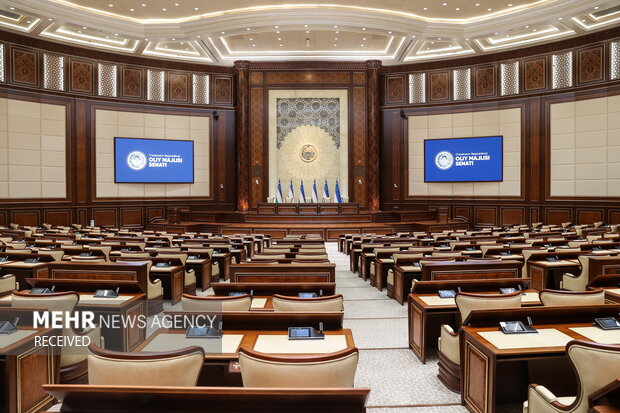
90,37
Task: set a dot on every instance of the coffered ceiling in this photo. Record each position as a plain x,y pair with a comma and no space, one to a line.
394,31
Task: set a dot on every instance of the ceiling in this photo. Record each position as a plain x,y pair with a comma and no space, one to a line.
394,31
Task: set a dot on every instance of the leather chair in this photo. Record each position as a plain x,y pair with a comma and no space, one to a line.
72,358
77,258
527,254
189,280
578,282
596,366
571,298
261,257
154,288
8,283
396,258
216,303
135,254
311,257
449,341
331,303
162,369
372,266
335,370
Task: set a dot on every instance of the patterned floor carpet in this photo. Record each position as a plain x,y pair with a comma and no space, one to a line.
400,383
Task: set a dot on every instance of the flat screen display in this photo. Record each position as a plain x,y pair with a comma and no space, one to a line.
464,159
153,161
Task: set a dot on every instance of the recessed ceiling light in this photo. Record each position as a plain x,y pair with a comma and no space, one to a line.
49,19
335,27
115,34
131,10
413,35
363,38
79,31
279,38
186,48
335,38
251,38
432,42
389,32
560,18
12,8
84,27
307,31
163,9
457,9
425,8
337,31
173,39
143,5
305,25
477,4
467,38
146,40
596,8
278,32
223,32
253,45
176,4
363,28
489,9
335,45
362,45
495,33
444,4
182,42
535,29
110,5
510,5
527,27
439,38
281,45
247,28
277,27
196,8
198,36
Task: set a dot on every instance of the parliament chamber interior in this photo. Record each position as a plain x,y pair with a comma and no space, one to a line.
287,206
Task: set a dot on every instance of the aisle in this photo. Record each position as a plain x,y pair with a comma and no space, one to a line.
400,383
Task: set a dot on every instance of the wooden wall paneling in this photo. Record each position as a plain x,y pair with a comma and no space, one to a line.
258,137
614,216
26,217
512,216
3,218
394,88
591,64
485,216
461,211
58,217
179,87
105,216
154,212
222,90
24,66
359,78
396,178
533,154
439,86
257,78
243,137
82,216
81,76
308,78
535,74
589,216
485,81
555,215
359,146
373,115
228,143
443,212
534,215
131,217
132,82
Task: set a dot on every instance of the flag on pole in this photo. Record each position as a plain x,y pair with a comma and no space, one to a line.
315,195
302,193
291,193
326,190
279,198
337,191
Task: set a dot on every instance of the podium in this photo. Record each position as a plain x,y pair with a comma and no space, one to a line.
308,209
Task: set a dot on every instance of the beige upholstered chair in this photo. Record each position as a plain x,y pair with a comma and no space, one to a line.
190,276
596,365
163,369
598,224
328,370
314,304
65,302
8,283
216,303
578,282
77,258
155,289
448,343
135,254
451,254
566,224
572,298
397,258
168,250
371,267
260,257
104,249
527,254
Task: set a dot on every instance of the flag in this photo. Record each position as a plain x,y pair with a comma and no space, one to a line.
337,191
279,199
326,190
291,193
315,195
302,193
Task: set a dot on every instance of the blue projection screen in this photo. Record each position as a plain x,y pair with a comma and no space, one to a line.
153,161
464,159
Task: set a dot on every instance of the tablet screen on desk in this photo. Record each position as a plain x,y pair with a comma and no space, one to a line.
608,323
504,253
299,332
306,295
446,293
192,257
162,265
236,293
508,290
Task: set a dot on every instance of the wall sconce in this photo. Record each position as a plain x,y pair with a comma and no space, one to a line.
359,181
256,182
221,186
395,186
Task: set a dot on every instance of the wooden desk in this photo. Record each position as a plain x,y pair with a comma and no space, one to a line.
427,311
90,399
492,374
172,279
202,269
117,337
547,274
257,272
269,289
223,259
15,265
25,368
470,270
403,278
379,278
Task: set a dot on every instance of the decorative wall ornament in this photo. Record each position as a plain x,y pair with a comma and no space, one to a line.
294,112
308,153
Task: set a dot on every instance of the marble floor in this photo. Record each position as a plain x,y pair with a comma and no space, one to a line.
399,382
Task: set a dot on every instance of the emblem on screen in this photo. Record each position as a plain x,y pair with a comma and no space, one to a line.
136,160
444,160
308,153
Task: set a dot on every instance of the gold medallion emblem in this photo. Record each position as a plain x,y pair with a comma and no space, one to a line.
308,153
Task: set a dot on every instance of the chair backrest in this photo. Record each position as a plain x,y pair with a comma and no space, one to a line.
135,254
94,258
527,254
163,369
216,303
336,370
466,302
65,301
311,257
314,304
167,250
571,298
596,364
258,257
182,257
452,254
